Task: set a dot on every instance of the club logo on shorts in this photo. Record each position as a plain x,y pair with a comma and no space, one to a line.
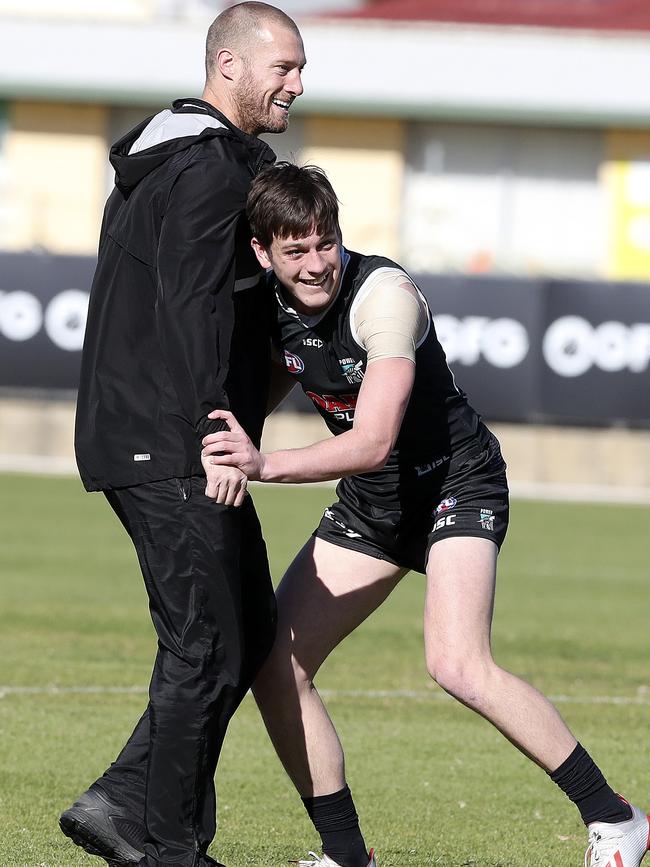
351,369
486,519
445,505
293,362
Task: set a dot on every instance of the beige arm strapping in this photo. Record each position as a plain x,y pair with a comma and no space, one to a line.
391,318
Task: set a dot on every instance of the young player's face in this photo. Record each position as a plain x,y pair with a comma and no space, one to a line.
270,81
308,268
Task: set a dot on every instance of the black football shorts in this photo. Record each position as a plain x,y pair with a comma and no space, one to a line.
464,496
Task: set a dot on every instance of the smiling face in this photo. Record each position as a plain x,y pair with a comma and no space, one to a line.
269,80
308,268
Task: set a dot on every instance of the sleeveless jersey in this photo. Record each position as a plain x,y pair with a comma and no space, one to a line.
323,355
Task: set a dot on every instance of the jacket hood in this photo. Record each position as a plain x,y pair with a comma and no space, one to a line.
159,137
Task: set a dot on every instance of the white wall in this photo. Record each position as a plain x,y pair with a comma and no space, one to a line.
393,69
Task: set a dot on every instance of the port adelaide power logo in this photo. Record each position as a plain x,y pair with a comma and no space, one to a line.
486,518
351,369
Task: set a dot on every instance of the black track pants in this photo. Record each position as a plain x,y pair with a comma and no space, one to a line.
212,605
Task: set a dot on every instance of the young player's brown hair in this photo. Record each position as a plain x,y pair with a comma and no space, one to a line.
287,200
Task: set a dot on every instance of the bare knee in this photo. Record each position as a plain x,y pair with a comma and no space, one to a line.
281,677
464,677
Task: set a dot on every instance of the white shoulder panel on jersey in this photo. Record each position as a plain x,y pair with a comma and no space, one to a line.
168,124
389,317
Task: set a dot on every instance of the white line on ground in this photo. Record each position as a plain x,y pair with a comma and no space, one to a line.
576,493
642,699
40,465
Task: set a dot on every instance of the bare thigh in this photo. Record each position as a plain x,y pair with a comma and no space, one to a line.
461,577
325,594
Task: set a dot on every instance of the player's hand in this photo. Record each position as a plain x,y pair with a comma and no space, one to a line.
225,485
232,448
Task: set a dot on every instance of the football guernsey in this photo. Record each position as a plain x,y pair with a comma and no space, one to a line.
440,433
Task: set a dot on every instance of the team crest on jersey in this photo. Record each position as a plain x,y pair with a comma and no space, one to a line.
351,369
294,363
445,505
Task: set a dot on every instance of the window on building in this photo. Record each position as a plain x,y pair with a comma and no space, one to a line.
513,199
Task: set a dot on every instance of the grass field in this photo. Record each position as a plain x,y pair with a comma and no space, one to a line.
434,784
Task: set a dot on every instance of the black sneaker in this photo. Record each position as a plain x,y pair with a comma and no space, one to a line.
102,828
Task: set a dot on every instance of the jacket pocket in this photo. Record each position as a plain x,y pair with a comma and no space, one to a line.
184,489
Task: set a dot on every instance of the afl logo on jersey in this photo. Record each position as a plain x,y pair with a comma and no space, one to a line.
293,362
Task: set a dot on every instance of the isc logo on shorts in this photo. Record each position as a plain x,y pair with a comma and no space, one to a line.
445,521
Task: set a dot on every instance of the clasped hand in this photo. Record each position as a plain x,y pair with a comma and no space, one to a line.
229,459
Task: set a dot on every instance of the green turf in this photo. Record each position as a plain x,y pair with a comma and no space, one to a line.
434,784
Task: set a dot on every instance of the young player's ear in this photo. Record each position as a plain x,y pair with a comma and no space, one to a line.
260,253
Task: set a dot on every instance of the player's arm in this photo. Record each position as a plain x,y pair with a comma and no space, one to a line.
383,398
389,323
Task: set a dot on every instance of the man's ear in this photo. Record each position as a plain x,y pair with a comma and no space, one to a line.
228,64
260,253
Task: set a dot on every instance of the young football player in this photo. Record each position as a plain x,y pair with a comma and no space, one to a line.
423,487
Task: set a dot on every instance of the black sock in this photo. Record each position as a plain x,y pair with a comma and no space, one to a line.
582,781
336,821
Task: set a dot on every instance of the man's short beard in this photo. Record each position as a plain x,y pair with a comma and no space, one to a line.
254,119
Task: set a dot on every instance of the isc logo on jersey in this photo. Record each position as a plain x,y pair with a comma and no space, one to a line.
293,362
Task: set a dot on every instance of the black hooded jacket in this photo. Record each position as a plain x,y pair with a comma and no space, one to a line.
177,320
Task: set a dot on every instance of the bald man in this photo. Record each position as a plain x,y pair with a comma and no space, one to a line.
174,329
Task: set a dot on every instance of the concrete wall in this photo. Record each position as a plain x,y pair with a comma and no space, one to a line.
55,157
